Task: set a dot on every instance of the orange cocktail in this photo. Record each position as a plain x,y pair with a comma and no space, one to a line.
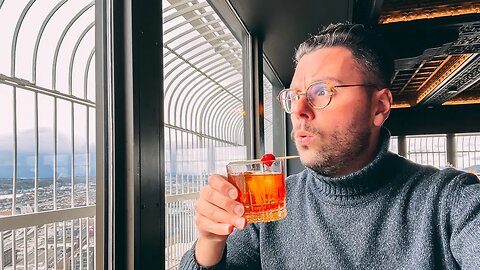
261,189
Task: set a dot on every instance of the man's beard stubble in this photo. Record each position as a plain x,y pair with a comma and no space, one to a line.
336,154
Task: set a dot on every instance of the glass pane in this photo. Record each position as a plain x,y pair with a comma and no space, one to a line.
393,144
204,114
428,150
90,84
80,155
468,152
63,176
268,117
46,46
46,152
24,182
91,158
6,150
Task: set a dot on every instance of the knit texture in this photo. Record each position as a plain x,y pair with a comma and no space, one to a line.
392,214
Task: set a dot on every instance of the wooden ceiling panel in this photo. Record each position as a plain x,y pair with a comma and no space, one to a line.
435,43
410,10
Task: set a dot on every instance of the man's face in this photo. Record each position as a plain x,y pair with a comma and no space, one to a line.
337,136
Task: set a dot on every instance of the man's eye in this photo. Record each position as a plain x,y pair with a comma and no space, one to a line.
318,91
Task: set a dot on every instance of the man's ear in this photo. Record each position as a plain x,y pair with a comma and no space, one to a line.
382,102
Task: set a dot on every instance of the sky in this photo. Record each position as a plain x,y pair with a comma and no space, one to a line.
74,40
73,49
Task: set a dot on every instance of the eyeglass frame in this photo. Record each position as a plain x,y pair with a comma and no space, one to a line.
331,90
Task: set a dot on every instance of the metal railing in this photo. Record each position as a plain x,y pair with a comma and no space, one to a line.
47,135
180,228
61,239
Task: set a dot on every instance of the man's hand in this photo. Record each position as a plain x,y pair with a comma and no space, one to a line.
216,213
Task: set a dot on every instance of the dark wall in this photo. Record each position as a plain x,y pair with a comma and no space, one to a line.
284,24
437,120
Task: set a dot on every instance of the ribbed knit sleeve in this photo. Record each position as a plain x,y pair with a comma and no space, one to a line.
189,262
465,220
241,252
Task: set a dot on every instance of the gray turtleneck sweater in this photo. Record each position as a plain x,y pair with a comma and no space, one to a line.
392,214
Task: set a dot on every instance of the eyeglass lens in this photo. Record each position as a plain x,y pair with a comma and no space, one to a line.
318,96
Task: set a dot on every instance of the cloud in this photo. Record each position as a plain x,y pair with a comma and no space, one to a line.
26,142
26,154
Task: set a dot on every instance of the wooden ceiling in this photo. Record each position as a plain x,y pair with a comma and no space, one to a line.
436,43
447,72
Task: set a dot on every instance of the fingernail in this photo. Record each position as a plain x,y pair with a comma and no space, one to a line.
238,210
232,193
240,223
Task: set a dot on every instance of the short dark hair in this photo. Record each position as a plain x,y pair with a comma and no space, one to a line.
367,46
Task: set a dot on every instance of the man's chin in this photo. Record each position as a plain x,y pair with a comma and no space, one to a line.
307,157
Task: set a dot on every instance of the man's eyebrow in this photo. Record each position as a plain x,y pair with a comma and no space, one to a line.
330,79
323,79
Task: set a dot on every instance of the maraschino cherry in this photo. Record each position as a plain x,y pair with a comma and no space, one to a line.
268,159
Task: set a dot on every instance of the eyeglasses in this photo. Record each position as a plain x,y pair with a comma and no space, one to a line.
319,95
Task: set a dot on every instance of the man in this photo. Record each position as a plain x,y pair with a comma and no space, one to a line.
356,205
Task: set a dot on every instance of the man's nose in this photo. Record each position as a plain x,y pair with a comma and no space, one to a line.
302,108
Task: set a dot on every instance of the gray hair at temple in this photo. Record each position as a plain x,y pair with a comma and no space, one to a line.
368,48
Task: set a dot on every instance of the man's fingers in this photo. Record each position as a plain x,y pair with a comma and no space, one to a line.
210,227
216,211
217,214
211,195
221,184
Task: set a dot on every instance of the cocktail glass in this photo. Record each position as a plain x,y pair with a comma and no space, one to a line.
261,188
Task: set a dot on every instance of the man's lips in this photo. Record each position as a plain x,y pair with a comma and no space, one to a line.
303,137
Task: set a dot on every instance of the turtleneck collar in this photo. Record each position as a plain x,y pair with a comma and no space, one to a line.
357,184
